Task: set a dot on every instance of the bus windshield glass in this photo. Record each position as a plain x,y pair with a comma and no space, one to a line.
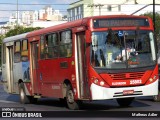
123,49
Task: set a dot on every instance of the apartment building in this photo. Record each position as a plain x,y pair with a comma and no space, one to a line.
85,8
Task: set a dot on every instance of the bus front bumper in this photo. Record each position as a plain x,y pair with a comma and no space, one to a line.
102,93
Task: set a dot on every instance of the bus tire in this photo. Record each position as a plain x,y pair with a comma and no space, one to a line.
71,103
32,99
23,97
62,101
156,98
125,102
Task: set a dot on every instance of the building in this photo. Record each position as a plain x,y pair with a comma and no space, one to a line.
85,8
14,19
27,18
3,27
41,14
49,14
45,24
45,17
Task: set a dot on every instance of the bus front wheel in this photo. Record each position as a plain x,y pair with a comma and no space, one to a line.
124,102
71,103
23,97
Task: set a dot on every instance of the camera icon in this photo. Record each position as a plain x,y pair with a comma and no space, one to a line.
6,114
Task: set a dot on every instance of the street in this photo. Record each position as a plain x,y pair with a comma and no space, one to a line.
49,104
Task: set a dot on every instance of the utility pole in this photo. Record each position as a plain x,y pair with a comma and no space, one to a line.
154,14
97,5
17,13
153,11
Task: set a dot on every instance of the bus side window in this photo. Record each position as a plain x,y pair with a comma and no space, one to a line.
66,44
51,45
24,53
17,51
42,48
48,47
55,45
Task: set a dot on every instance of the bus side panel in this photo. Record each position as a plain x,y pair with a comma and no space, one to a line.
4,68
49,72
66,70
9,67
17,75
53,73
4,77
26,77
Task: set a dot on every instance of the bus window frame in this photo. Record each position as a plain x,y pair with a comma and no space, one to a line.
24,51
22,44
17,52
44,55
64,44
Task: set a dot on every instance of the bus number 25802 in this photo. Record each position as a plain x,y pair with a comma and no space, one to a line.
132,82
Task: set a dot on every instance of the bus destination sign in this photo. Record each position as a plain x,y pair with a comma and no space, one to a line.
120,22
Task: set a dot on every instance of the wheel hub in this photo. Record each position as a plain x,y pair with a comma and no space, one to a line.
70,97
22,94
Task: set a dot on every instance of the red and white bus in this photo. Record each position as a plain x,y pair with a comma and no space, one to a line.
95,58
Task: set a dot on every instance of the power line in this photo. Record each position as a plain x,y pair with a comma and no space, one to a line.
29,4
29,10
65,4
65,10
26,10
4,17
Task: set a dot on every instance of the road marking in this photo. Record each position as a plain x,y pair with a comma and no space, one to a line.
4,101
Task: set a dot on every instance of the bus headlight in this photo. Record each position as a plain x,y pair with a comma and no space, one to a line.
150,79
153,79
101,83
96,81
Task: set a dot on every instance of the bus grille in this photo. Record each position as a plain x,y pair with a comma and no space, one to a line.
126,76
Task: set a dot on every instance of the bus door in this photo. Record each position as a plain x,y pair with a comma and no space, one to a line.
9,67
81,65
34,68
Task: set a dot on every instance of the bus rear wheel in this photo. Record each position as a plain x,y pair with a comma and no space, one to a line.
23,97
71,103
124,102
32,99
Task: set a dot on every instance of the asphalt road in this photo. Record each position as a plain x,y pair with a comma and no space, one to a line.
45,104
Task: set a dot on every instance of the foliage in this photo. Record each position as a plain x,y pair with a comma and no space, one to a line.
15,31
157,21
1,38
19,30
157,26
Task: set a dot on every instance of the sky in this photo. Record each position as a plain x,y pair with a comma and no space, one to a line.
4,13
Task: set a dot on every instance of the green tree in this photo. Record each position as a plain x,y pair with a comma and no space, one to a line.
157,26
19,30
157,21
1,38
15,31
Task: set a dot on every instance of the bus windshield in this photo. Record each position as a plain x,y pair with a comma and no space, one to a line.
123,49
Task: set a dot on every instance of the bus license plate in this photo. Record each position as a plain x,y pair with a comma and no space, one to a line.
127,92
